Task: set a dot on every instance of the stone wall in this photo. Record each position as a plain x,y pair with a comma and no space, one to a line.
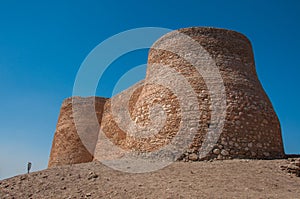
250,129
69,147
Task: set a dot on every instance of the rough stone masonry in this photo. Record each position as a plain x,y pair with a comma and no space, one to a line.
251,128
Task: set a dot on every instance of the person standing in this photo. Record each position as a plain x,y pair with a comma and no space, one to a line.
28,167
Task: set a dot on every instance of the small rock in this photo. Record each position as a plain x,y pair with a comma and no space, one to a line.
298,173
292,168
259,145
283,167
224,143
193,157
224,153
267,154
297,163
250,144
92,175
88,195
216,151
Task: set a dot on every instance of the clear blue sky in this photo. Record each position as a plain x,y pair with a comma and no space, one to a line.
42,45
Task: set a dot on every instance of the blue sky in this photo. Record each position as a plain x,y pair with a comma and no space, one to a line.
42,45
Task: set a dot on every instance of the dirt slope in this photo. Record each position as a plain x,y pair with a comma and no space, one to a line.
217,179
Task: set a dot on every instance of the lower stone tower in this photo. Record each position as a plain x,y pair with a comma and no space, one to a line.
68,146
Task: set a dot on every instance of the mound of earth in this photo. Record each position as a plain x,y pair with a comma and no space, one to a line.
216,179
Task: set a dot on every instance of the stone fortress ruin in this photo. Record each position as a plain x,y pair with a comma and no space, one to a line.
247,125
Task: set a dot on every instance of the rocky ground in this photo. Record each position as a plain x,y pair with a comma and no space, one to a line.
216,179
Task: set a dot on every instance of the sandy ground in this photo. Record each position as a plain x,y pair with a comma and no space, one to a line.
217,179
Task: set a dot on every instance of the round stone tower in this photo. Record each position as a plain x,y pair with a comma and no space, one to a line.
251,127
245,127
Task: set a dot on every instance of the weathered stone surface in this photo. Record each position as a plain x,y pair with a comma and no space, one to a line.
251,127
67,146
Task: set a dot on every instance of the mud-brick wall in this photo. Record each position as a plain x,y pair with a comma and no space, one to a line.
75,143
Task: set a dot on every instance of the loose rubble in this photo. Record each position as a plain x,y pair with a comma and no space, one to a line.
293,166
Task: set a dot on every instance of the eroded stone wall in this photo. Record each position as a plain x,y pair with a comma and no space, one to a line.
68,146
